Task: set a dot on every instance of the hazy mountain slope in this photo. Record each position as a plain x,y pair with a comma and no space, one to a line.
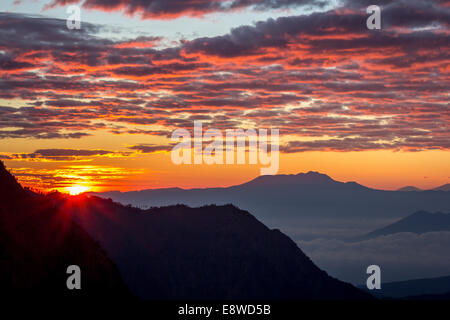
418,222
311,194
213,252
409,188
38,243
445,187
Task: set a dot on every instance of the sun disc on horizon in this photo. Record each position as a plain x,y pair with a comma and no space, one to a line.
76,190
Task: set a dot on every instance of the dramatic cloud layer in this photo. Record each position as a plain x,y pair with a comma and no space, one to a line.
151,148
164,9
324,79
64,155
93,176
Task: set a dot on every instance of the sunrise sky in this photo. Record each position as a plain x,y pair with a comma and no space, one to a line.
95,108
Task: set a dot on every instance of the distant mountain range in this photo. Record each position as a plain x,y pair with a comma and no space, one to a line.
445,187
417,289
418,222
409,188
311,194
176,252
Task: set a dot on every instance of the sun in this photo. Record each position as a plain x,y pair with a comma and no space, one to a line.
75,190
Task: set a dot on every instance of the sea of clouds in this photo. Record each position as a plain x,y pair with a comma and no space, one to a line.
401,256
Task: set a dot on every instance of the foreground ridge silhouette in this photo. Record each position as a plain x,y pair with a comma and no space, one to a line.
37,244
168,253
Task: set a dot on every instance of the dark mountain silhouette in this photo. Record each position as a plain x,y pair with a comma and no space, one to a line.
212,252
418,222
177,252
311,194
37,244
409,188
416,289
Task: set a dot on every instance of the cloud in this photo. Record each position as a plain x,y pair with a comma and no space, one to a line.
65,155
320,31
8,63
366,143
70,152
152,148
38,134
321,77
167,9
401,256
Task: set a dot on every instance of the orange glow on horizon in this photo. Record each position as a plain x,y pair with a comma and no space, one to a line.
382,169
